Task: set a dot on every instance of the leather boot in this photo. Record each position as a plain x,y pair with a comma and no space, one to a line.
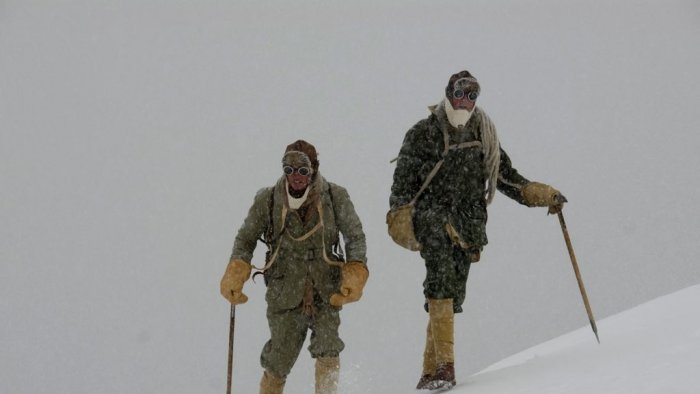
444,377
327,373
271,384
429,364
442,323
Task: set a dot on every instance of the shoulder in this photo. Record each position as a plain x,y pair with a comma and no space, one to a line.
421,126
336,189
337,193
331,187
264,194
265,191
426,130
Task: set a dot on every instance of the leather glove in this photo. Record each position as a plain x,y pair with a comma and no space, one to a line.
537,194
355,275
237,272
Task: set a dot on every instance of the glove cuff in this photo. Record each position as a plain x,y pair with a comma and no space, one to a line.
358,270
239,269
237,273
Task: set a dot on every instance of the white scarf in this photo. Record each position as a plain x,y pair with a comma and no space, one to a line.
457,117
295,203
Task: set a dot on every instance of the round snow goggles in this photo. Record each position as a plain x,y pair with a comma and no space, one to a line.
466,87
460,93
289,170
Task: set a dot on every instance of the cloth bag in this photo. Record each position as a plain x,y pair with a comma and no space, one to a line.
400,226
400,220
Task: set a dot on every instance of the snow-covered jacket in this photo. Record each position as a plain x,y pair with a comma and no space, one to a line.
456,195
300,255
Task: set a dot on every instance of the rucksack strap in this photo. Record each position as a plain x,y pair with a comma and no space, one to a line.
448,147
319,226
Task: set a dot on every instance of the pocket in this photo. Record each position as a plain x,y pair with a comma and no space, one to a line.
467,232
275,286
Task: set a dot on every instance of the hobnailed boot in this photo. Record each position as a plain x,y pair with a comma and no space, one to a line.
429,364
442,324
271,384
327,373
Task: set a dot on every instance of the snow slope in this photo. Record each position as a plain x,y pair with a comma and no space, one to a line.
653,348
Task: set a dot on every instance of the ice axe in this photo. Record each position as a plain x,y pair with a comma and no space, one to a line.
575,265
231,329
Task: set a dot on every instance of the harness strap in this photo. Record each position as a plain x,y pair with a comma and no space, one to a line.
463,145
318,226
277,249
427,181
308,234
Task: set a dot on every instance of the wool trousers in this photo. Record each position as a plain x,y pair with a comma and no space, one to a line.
447,269
288,330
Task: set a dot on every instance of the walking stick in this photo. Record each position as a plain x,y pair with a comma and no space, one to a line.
231,329
578,274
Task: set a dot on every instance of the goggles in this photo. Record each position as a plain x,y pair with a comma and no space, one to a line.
303,171
466,87
471,95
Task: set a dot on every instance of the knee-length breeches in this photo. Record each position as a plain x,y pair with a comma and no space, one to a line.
447,269
288,330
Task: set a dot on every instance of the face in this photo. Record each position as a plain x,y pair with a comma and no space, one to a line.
464,94
298,182
295,179
463,103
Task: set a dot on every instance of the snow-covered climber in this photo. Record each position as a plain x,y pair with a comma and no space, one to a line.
308,279
448,169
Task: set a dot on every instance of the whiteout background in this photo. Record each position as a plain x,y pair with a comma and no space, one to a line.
135,134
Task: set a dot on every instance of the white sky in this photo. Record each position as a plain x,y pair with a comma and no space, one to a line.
134,134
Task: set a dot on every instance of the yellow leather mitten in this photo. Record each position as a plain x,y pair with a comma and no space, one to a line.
355,275
537,194
237,272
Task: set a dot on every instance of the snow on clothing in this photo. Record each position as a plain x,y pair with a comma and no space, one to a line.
456,198
300,280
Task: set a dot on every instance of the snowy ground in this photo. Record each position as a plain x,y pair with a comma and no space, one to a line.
653,348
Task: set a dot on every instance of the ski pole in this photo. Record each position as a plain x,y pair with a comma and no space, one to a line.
231,329
578,274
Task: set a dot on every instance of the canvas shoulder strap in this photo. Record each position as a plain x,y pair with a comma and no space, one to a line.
448,147
431,175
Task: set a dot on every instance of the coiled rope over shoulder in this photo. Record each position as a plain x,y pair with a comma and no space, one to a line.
492,153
